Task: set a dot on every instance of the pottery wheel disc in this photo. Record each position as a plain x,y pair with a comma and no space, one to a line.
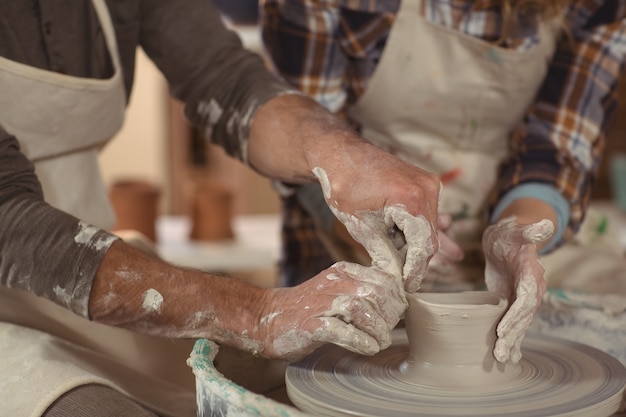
555,378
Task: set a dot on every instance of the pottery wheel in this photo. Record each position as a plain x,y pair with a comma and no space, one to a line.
554,378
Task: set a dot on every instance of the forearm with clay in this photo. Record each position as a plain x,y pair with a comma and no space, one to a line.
137,291
349,305
370,191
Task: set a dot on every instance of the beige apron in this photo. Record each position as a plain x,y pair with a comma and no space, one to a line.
61,122
408,110
447,102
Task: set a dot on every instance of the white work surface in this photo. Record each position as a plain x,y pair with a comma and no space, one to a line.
256,244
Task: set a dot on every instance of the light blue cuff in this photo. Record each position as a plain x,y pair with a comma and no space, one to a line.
545,193
312,199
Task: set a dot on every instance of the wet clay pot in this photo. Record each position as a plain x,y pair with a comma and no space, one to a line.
444,367
451,339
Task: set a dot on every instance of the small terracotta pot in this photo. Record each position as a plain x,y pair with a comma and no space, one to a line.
211,212
136,206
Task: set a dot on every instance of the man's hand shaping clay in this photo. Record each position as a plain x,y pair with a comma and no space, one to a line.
349,305
398,242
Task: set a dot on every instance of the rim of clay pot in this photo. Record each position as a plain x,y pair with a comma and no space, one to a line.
460,300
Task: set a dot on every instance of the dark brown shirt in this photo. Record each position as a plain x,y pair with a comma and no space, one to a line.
204,64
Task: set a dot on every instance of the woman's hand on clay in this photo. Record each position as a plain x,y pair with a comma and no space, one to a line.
513,271
390,208
349,305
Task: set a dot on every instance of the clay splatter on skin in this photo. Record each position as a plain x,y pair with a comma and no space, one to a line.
336,322
361,342
371,229
152,301
110,298
270,317
295,340
298,340
127,273
201,318
250,345
341,308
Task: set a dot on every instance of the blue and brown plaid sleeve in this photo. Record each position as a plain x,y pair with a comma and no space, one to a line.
562,138
329,50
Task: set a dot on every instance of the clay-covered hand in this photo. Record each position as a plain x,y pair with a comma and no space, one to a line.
392,213
444,262
295,140
513,271
350,305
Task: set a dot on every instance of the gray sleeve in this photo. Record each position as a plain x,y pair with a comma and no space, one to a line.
43,250
221,83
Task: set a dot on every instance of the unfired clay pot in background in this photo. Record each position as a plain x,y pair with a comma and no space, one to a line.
136,206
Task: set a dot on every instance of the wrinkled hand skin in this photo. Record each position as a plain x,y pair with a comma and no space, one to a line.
397,242
513,271
350,305
443,263
400,238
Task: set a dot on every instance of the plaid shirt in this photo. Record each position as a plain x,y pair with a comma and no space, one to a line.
329,50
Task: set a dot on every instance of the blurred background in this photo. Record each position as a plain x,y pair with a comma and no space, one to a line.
157,145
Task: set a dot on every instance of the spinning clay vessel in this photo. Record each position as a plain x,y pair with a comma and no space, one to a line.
442,365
